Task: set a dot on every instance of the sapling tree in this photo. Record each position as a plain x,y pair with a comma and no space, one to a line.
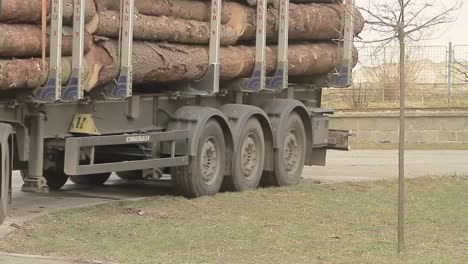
405,21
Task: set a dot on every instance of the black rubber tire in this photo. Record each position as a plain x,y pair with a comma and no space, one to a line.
55,177
282,175
189,180
90,180
130,175
243,178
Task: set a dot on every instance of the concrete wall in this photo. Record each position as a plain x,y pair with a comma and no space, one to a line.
425,129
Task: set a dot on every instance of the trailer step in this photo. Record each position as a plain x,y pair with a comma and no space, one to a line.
35,185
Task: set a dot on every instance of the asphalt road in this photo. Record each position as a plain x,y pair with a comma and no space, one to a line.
342,166
364,165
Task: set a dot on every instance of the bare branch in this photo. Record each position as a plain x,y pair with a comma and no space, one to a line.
387,19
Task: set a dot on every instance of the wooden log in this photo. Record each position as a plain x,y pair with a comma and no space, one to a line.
29,73
307,21
254,2
184,9
25,40
29,11
162,62
161,28
90,11
21,74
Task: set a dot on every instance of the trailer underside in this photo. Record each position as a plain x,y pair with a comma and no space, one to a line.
142,135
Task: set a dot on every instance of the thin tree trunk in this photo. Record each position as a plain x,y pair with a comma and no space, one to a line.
402,143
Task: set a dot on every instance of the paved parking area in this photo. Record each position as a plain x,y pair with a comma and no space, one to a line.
364,165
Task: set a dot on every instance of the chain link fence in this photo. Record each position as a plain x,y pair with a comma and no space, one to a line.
460,64
434,79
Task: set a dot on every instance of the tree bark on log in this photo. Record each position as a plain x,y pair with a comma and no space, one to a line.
21,74
29,11
29,73
254,2
25,40
183,9
162,62
306,21
161,28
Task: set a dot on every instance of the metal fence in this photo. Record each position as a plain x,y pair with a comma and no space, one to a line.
436,77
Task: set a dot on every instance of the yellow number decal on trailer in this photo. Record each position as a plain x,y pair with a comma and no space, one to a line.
83,124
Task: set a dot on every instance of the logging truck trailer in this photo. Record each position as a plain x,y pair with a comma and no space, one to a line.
207,135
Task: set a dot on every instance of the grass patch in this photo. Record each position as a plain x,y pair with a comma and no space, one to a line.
342,223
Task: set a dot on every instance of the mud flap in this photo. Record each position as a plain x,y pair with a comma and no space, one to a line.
339,140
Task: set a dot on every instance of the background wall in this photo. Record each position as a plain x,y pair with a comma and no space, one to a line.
425,129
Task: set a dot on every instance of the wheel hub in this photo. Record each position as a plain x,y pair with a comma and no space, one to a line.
209,161
249,156
291,153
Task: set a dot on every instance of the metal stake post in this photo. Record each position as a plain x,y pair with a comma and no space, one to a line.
51,92
257,81
123,89
215,43
209,84
345,75
280,79
450,72
74,89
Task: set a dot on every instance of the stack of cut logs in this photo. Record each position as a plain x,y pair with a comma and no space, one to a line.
171,40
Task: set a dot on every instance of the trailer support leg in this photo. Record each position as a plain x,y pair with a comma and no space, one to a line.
35,182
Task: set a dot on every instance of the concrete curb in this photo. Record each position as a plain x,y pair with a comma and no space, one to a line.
393,113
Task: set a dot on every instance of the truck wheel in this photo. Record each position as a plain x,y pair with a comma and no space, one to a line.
5,178
130,175
90,180
205,172
290,159
248,159
55,177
